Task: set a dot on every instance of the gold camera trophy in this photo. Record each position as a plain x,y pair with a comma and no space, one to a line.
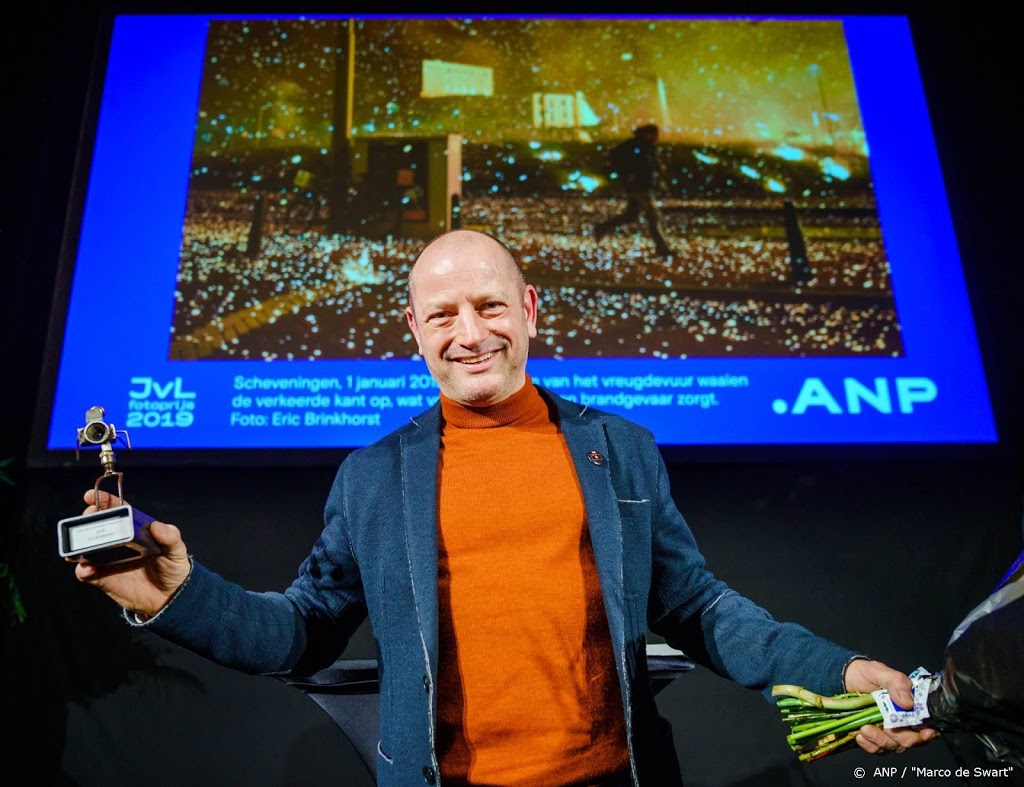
110,535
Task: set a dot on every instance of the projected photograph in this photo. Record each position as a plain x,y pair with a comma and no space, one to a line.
738,227
328,151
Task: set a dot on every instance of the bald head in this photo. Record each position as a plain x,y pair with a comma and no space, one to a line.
459,246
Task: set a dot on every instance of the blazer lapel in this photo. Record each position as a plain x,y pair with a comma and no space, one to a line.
420,451
588,445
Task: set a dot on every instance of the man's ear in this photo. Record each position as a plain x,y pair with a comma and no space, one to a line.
410,317
530,302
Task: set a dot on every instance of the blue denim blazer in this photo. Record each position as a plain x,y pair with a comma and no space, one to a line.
377,556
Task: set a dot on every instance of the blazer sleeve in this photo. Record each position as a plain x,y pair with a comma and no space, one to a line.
304,628
716,626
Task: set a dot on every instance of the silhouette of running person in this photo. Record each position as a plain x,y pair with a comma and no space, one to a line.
638,172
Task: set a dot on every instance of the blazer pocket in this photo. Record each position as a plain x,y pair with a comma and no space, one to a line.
635,516
632,508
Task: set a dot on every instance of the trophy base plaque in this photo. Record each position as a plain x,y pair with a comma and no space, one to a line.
113,535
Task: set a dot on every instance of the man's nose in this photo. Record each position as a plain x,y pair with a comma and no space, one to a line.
470,328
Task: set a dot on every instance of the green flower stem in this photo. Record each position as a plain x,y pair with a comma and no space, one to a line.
847,701
867,716
795,718
828,748
828,721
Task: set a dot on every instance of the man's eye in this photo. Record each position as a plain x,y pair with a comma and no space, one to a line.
495,307
439,318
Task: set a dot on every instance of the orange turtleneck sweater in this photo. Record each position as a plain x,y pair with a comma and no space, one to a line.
527,690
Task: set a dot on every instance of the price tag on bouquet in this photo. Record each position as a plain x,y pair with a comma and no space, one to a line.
893,715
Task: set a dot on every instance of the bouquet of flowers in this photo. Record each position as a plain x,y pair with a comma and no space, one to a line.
980,689
821,725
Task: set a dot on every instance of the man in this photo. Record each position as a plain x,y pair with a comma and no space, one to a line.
510,624
638,171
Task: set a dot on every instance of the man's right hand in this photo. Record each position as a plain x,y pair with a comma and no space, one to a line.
145,585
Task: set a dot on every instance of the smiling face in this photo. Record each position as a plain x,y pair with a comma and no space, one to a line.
472,316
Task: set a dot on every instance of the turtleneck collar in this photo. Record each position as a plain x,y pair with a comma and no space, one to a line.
525,405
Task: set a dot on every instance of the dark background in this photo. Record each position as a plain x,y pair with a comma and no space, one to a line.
884,551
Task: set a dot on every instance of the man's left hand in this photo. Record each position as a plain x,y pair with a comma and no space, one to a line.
867,676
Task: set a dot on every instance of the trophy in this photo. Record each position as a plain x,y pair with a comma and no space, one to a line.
109,535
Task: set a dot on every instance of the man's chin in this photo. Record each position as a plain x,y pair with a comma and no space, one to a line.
480,397
477,391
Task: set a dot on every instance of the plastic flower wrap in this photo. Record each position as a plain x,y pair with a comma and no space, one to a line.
980,689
